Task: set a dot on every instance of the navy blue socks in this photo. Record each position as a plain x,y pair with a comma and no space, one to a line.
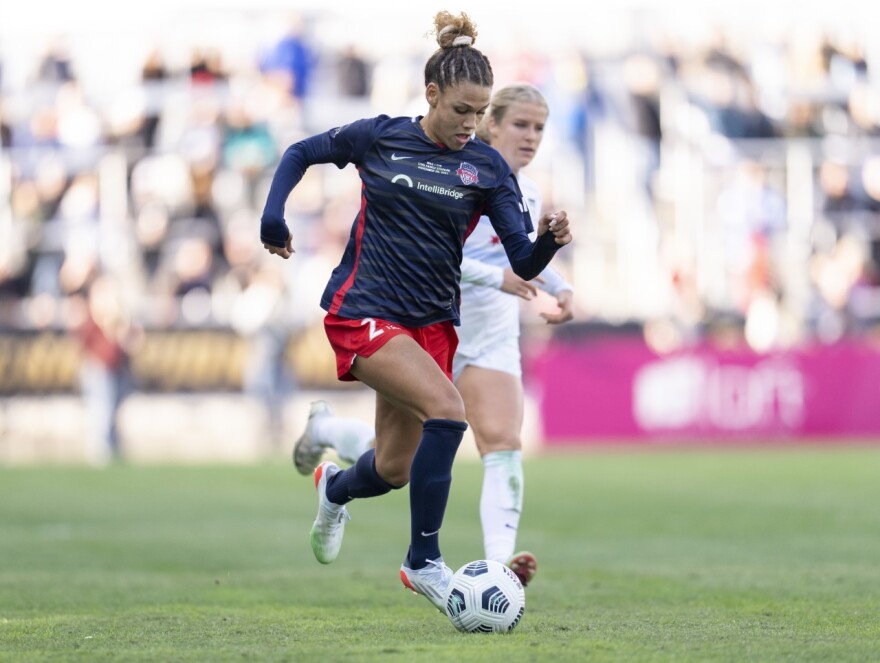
359,480
429,480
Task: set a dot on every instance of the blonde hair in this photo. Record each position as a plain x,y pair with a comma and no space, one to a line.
503,99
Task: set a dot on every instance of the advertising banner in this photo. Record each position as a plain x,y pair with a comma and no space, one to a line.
617,390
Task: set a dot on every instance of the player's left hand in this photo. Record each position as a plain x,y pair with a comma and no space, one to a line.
557,223
514,285
565,301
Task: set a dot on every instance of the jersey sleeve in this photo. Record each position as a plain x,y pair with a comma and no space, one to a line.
553,282
512,223
481,273
339,146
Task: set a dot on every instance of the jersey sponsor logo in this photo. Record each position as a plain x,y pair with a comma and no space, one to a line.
394,157
400,178
468,173
440,190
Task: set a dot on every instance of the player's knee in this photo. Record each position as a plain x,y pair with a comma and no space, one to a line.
500,441
495,433
395,473
450,406
397,480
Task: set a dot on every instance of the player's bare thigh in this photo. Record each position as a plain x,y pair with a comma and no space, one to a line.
411,388
494,407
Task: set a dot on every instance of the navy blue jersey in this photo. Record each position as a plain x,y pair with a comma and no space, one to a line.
419,202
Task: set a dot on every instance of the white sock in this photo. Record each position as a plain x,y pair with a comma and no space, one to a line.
501,503
349,437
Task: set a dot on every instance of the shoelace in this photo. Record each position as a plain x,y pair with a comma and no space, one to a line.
439,570
339,517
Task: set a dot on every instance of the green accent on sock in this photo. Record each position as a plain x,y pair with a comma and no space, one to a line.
515,486
511,461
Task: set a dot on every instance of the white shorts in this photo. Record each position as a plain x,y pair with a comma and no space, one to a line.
500,354
489,337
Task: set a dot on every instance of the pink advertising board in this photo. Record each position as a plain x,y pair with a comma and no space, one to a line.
603,390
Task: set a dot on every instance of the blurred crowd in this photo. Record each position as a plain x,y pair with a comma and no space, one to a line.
724,185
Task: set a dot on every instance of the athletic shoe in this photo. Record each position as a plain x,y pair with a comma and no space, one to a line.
431,581
326,534
307,451
524,565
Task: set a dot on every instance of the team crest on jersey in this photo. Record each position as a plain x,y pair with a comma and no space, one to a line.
467,173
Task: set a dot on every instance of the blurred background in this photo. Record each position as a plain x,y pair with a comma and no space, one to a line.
723,174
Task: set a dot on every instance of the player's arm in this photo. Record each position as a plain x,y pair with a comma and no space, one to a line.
339,146
512,223
491,276
551,282
480,273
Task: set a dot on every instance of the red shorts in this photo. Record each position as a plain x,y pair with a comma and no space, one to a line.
361,338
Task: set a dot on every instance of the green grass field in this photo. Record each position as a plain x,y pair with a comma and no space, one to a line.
644,556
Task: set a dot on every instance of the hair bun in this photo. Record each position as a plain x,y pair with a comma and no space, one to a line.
454,31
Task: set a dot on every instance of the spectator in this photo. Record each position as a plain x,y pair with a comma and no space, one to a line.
751,212
107,338
261,315
354,74
154,74
55,65
293,61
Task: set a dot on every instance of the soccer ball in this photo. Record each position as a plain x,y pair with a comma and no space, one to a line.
485,597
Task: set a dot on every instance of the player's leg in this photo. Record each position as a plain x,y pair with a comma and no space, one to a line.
415,392
494,406
433,577
349,437
353,341
417,399
363,479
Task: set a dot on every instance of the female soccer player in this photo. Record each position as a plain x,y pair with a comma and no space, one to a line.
392,302
487,366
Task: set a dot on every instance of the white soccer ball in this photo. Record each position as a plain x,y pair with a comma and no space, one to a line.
485,597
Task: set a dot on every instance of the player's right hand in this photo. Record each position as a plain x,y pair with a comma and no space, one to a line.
565,302
284,251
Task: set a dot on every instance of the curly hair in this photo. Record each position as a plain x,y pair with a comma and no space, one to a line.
457,61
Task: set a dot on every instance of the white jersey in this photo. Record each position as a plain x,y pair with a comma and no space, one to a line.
490,317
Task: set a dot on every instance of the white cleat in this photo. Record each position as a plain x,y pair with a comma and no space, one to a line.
307,451
432,581
329,526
